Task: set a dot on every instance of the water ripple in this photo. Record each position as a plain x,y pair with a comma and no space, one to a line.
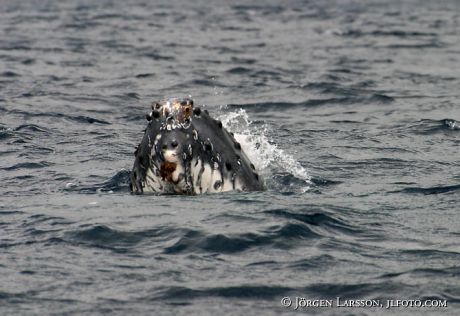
362,94
194,241
274,106
246,291
28,165
316,219
431,127
430,190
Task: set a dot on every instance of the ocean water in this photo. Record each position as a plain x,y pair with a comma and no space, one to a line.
349,109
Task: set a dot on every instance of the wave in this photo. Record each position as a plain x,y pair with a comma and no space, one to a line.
373,98
430,127
9,74
318,290
6,132
53,115
385,33
316,219
102,236
119,183
28,165
32,128
196,241
424,273
430,190
242,291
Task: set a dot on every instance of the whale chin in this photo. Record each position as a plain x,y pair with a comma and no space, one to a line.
185,151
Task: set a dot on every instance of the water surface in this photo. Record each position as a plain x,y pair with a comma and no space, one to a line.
350,110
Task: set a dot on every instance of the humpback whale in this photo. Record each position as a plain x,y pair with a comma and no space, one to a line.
185,151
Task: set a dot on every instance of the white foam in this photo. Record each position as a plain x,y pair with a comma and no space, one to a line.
259,148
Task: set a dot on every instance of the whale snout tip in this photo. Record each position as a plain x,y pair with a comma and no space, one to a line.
170,156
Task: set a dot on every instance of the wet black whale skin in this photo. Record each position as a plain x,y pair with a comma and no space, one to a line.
212,139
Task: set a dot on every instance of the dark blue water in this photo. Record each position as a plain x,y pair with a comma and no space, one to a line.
350,109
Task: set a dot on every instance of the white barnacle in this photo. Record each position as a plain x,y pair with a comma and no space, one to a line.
190,150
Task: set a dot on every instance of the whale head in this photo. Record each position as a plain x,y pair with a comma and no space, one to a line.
185,151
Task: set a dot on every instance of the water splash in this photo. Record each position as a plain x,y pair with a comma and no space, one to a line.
452,124
259,148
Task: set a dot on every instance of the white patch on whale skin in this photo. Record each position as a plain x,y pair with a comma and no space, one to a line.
157,138
238,185
215,177
209,177
150,141
227,185
176,174
195,167
206,178
152,182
